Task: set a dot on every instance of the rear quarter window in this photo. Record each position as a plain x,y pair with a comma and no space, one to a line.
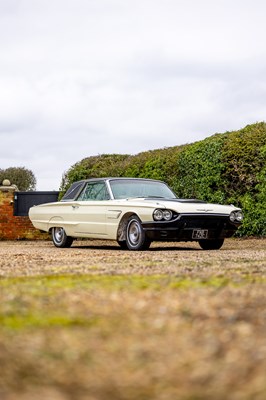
72,192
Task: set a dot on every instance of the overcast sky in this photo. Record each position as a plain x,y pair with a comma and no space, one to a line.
86,77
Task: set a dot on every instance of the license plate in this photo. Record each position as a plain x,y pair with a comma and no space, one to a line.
200,234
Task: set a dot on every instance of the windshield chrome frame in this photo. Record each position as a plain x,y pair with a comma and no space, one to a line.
109,189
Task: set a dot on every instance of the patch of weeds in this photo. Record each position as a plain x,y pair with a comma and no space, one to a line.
66,300
51,285
28,320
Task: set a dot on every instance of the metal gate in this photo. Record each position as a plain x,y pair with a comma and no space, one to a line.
24,200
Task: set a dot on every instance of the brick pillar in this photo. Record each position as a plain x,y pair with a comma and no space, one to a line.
13,227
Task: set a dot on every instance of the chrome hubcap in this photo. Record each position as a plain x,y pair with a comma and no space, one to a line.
134,233
58,234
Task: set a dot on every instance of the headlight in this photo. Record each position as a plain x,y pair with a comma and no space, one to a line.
167,214
158,215
162,215
239,216
236,216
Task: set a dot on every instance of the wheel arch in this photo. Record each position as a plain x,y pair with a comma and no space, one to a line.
55,222
121,230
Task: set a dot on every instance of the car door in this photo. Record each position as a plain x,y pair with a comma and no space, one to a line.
89,210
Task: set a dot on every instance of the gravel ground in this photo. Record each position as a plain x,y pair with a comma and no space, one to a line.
236,257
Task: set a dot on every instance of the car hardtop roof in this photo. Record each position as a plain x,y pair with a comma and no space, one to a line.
76,187
115,178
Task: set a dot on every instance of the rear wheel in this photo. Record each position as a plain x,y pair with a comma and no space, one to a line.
60,238
135,235
211,244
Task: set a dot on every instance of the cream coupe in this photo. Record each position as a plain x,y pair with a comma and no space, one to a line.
134,212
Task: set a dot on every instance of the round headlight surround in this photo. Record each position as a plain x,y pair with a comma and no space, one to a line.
158,215
167,214
239,216
236,216
232,216
162,215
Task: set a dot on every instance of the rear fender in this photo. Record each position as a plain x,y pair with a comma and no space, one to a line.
55,222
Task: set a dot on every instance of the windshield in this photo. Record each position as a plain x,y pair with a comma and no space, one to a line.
123,189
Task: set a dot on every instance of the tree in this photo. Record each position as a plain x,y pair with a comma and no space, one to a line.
22,177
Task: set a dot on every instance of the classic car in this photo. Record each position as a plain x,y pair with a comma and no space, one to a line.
134,212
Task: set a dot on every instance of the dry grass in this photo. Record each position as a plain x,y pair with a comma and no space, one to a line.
95,322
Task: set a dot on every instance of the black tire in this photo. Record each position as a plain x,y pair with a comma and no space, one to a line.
211,244
60,238
122,244
135,235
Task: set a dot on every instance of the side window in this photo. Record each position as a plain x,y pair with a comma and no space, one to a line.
72,191
94,191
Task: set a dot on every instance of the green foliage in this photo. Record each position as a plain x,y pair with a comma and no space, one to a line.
22,177
156,164
94,167
244,155
224,168
253,202
200,171
244,159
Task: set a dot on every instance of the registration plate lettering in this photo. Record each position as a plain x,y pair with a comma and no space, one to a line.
200,234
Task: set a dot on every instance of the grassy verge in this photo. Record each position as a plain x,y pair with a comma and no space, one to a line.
44,301
133,337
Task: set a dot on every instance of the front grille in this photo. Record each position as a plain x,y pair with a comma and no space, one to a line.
218,226
203,222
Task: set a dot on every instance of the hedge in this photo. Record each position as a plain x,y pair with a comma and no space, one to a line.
224,168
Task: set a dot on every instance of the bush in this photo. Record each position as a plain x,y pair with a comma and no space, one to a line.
200,169
94,167
224,168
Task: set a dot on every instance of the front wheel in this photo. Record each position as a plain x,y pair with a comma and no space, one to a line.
122,244
135,235
211,244
60,238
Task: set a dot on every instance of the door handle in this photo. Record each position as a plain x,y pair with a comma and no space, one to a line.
74,207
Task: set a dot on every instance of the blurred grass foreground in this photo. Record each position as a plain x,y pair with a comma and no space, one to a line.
123,337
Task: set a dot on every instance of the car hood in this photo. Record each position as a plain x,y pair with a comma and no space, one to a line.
184,205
